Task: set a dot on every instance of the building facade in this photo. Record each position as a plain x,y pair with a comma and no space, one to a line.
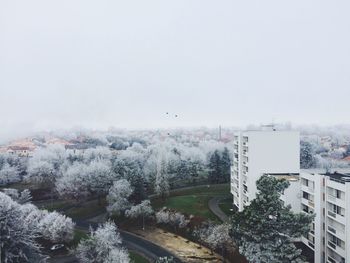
260,152
327,195
324,194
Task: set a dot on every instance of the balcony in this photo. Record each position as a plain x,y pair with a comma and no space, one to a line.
337,217
336,232
308,189
337,201
339,250
311,203
331,260
308,202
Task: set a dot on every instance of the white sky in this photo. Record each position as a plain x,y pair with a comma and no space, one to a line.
125,63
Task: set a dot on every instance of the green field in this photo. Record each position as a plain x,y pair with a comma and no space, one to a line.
193,201
86,210
78,235
56,205
136,258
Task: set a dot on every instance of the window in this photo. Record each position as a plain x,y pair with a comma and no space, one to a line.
305,195
336,241
305,208
337,210
338,194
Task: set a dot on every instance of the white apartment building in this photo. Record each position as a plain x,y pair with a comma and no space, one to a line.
328,196
260,152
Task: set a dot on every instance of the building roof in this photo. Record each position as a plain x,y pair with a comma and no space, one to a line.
287,176
19,148
339,177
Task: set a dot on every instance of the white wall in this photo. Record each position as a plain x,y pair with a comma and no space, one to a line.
271,152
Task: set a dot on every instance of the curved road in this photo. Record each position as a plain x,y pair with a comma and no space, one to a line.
131,241
214,207
134,242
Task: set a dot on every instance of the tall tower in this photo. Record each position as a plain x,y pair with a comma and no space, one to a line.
259,152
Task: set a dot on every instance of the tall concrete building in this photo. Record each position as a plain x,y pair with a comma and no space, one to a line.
327,195
324,194
259,152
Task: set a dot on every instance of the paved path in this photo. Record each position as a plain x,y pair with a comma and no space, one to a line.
145,247
214,207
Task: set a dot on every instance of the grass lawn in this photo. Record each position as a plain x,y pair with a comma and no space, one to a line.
136,258
78,235
86,210
55,205
193,201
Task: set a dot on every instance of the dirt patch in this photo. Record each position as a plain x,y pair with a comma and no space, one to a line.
183,248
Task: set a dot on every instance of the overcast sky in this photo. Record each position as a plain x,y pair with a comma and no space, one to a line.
126,63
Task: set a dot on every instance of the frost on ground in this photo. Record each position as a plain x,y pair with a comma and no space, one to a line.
186,250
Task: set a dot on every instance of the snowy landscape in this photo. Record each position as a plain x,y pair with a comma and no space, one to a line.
188,131
73,196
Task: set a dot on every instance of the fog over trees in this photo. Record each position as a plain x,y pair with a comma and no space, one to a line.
123,171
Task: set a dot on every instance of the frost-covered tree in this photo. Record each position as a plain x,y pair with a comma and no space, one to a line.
9,174
41,172
215,167
45,165
56,227
17,239
97,154
215,236
32,217
20,197
162,181
103,246
307,155
73,183
329,164
173,218
225,166
264,231
81,180
99,176
128,165
144,210
118,196
14,161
